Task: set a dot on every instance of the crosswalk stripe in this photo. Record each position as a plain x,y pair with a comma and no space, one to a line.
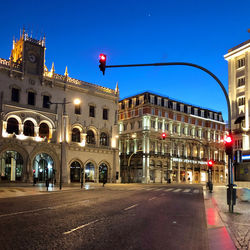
186,190
177,190
167,190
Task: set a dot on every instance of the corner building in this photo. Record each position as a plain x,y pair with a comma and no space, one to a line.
238,59
45,131
193,136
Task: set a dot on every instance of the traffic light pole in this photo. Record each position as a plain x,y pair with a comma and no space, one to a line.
230,198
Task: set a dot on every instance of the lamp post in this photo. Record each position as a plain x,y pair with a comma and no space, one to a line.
63,132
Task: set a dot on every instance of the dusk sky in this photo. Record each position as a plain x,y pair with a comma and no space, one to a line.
129,32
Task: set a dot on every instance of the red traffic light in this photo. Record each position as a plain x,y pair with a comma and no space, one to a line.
34,171
102,61
210,163
163,135
102,57
228,139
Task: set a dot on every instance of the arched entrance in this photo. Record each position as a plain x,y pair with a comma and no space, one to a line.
43,167
90,172
11,166
103,172
75,171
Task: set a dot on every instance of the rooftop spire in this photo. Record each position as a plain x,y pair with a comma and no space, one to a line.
117,89
66,72
52,71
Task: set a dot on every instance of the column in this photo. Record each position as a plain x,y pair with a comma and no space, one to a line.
170,128
186,174
127,142
171,169
179,129
135,145
36,131
13,170
144,164
179,172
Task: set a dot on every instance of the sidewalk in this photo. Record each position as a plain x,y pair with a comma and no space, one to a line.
8,190
226,230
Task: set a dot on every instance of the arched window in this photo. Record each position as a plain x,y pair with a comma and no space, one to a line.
44,130
104,139
12,126
76,137
90,137
75,171
28,128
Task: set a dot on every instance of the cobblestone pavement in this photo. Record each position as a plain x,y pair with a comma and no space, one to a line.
237,223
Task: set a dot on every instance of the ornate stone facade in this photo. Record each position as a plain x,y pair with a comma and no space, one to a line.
44,130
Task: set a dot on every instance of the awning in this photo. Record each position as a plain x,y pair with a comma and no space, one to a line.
239,119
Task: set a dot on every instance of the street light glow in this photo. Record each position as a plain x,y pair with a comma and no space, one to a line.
77,101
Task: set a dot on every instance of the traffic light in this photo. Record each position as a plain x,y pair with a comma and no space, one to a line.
102,61
163,135
210,164
228,141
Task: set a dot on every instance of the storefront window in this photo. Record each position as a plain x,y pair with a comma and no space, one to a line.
11,166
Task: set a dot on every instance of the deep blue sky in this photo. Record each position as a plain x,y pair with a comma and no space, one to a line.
150,31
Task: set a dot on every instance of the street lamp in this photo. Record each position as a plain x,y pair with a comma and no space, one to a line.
63,131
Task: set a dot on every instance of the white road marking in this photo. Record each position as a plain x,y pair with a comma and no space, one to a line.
82,226
45,208
130,207
152,198
169,189
177,190
24,212
186,190
196,191
158,189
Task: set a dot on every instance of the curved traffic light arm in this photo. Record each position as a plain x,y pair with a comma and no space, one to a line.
185,64
230,157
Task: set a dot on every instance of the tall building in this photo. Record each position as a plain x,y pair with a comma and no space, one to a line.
53,124
163,140
239,94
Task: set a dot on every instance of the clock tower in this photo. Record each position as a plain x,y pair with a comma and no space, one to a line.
30,54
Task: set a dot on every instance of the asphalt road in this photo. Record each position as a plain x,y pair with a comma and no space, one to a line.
122,217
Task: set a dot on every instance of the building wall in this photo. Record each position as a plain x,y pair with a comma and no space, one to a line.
239,94
192,138
58,143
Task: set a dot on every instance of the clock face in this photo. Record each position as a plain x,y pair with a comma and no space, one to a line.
32,57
